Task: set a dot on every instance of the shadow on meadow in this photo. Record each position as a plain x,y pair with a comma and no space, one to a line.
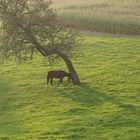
88,96
90,117
9,123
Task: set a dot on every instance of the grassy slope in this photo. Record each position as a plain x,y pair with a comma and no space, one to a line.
105,107
108,16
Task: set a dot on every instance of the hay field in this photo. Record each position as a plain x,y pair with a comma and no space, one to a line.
106,16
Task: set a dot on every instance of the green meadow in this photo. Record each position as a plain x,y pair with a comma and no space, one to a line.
106,106
107,16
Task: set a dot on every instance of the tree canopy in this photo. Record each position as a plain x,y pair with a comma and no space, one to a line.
31,26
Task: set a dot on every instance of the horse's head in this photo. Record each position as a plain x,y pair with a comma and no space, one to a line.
69,77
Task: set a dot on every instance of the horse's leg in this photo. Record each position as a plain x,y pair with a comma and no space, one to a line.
52,81
60,81
68,79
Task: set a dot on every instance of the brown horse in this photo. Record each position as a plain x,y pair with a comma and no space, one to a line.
57,74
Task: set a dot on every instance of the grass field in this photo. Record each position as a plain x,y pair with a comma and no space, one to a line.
107,16
106,106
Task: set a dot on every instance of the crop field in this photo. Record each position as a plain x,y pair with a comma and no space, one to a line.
106,106
107,16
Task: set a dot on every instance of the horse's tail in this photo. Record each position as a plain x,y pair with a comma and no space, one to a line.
48,78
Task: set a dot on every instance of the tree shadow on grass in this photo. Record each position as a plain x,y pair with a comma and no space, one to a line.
9,123
89,99
88,96
83,94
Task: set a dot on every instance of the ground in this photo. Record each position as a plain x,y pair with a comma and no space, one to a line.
106,106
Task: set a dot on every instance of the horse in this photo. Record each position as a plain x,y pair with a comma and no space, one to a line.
57,74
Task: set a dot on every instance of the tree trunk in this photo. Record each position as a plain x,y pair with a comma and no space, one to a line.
46,52
71,69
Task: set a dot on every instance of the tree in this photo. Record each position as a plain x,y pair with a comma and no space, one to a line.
30,26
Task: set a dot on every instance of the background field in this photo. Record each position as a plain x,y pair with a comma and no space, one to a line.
107,16
105,107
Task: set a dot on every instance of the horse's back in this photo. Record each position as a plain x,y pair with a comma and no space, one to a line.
57,73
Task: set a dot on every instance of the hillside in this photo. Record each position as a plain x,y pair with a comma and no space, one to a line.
106,106
107,16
